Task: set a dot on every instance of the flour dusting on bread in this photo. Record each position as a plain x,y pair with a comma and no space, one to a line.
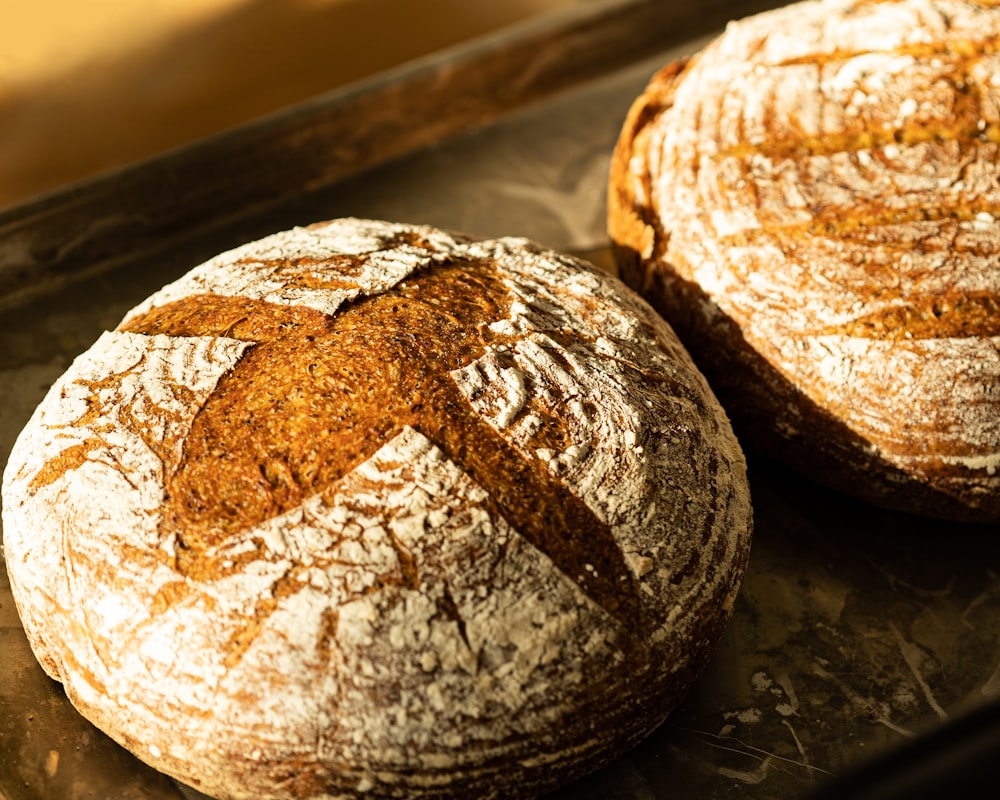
372,510
812,201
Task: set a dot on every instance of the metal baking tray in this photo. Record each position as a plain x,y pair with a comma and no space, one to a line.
856,628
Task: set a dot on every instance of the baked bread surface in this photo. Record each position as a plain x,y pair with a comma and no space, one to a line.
812,201
371,510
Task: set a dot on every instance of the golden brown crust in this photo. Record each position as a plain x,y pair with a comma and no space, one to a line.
812,203
368,510
306,419
631,224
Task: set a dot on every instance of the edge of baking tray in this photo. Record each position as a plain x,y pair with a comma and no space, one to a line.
137,210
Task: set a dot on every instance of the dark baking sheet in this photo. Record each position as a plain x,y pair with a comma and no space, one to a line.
856,628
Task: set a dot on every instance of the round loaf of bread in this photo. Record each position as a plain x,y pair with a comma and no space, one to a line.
371,510
812,201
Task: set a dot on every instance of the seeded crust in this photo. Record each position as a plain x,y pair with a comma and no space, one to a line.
370,510
812,201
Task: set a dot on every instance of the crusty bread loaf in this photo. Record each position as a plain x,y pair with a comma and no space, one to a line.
812,201
371,510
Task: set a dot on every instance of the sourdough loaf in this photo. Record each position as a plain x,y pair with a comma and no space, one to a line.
371,510
812,202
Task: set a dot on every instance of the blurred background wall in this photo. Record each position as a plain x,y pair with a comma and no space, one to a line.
88,86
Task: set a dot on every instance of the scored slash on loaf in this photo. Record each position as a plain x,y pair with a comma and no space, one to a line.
812,201
372,510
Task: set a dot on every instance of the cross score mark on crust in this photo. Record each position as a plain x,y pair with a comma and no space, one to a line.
316,395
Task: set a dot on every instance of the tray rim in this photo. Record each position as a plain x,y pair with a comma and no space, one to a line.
140,208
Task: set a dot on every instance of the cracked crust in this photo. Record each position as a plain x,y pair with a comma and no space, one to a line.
368,510
812,202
